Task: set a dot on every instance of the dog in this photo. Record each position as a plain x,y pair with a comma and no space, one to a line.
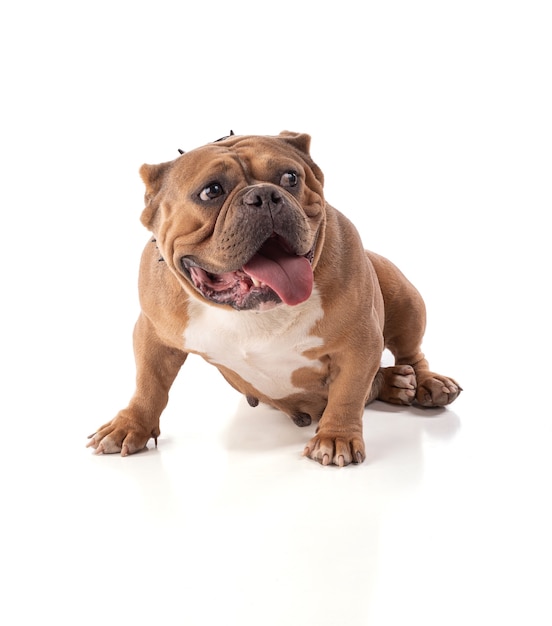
252,269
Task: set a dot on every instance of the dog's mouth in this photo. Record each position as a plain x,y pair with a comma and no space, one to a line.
272,276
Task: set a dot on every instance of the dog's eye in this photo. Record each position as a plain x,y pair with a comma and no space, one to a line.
289,179
212,191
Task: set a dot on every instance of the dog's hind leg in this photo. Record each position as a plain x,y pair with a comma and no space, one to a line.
395,384
410,379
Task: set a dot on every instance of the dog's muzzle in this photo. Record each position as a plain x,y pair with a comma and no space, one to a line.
272,276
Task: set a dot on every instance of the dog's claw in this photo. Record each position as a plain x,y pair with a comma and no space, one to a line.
335,451
92,443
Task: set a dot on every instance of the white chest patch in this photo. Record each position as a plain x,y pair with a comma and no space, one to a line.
262,348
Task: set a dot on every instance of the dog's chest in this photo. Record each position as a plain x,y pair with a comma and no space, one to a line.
264,349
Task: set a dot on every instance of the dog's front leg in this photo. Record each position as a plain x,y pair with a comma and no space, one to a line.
156,368
339,439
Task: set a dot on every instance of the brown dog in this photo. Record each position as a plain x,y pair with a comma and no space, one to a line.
252,269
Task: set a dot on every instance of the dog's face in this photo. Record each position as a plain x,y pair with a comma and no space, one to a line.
240,222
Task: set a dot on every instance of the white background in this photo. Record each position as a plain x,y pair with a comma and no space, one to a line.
432,124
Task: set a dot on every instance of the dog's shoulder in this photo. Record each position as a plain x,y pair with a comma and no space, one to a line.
162,298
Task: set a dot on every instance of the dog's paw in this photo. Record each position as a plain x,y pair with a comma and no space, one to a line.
396,384
436,390
123,434
336,450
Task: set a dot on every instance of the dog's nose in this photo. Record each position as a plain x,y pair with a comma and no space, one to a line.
269,197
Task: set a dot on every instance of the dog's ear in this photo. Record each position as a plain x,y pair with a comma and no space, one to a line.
153,176
301,141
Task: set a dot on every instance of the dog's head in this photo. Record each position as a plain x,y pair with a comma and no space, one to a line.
241,221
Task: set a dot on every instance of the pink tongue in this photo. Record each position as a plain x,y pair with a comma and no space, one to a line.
290,276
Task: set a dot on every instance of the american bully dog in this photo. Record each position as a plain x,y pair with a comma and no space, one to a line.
252,269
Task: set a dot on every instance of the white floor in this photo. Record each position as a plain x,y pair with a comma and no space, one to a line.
431,122
447,522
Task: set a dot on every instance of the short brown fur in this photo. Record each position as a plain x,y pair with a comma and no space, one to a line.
364,310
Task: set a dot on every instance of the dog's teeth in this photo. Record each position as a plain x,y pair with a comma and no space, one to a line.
256,283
